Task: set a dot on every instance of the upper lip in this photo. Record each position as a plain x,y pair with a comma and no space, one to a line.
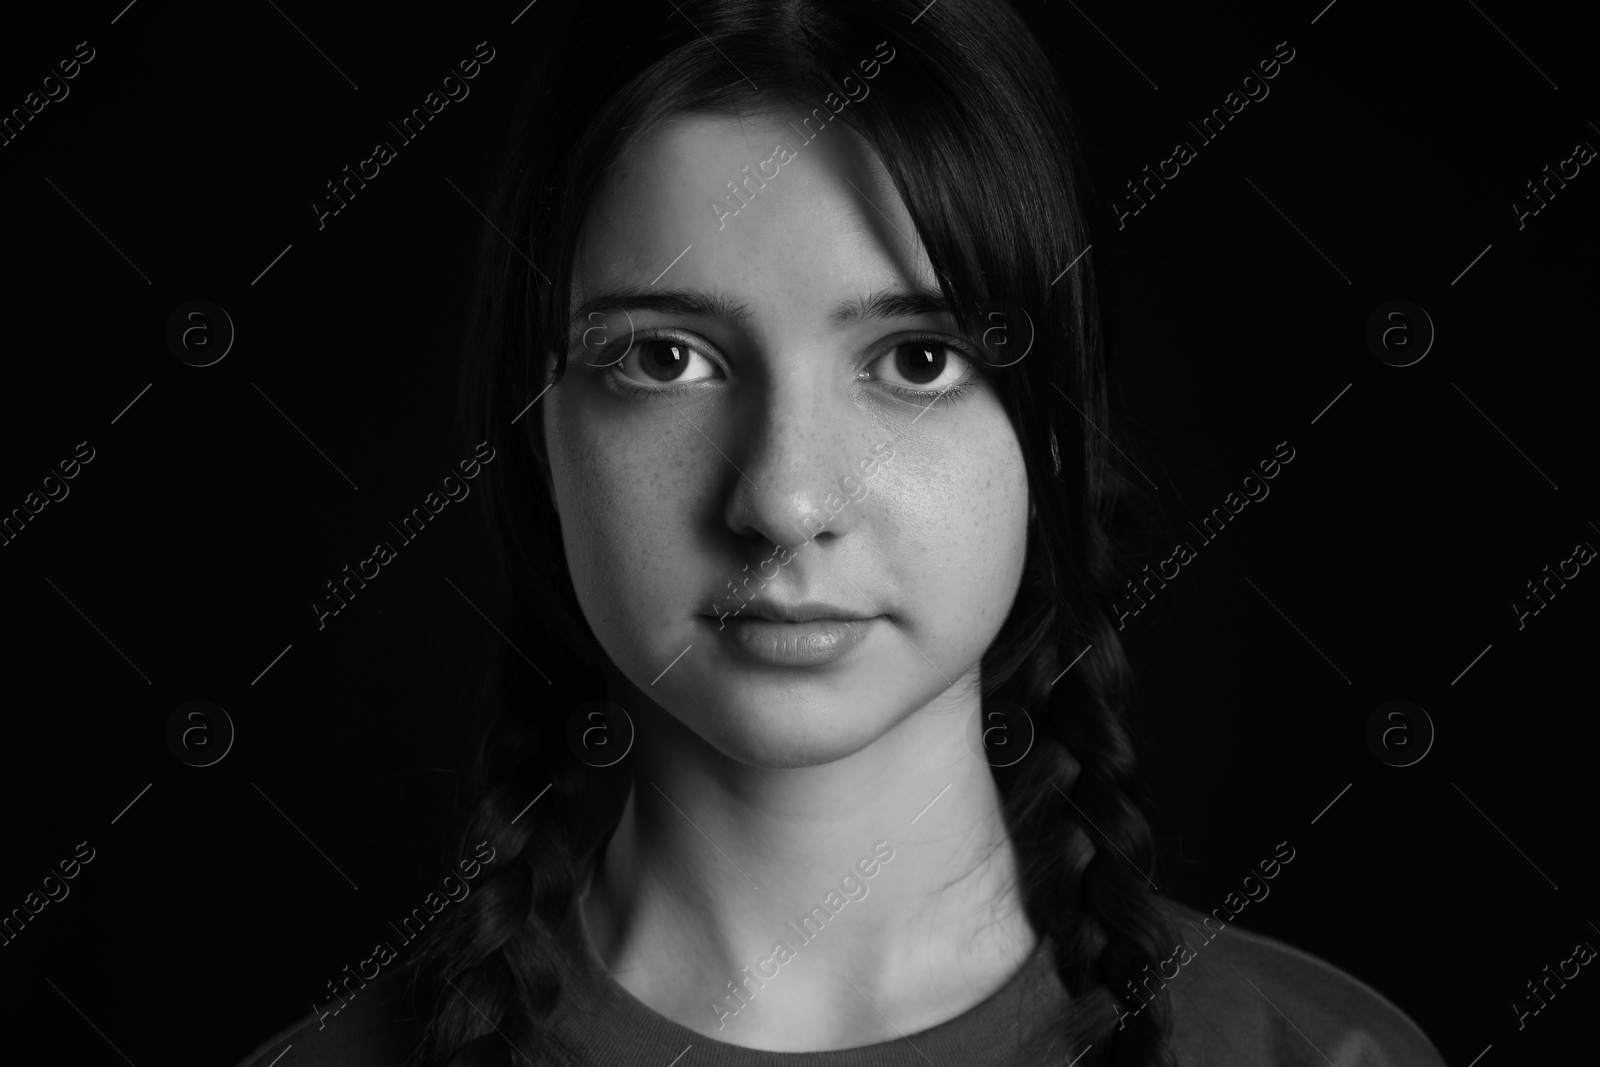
804,611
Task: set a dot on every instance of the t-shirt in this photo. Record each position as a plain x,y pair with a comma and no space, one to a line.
1239,1000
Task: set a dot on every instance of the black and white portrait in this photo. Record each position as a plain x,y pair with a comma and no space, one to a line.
799,533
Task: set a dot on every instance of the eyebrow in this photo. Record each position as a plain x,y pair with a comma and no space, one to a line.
893,303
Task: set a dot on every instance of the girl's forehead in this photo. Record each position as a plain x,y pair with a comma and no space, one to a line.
762,206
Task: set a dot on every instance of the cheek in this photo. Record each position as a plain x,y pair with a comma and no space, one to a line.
627,498
959,520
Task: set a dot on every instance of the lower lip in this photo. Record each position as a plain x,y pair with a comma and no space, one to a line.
796,644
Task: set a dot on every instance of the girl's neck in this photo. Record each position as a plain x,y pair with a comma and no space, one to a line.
816,907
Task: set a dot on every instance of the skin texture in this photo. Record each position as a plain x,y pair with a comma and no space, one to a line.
793,772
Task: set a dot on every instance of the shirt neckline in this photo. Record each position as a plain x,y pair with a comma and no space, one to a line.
1029,1001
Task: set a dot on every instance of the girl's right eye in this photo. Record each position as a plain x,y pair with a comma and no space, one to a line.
662,361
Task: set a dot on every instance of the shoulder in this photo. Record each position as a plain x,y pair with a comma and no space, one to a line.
373,1029
1241,998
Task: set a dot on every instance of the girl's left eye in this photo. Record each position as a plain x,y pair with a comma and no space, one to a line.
922,365
663,361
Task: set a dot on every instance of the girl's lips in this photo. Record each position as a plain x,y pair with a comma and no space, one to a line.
794,644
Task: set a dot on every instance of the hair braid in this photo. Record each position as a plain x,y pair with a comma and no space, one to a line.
1075,805
492,969
1077,789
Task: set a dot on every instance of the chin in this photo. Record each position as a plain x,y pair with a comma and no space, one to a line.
786,734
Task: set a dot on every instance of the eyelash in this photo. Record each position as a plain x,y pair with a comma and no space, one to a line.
950,394
613,379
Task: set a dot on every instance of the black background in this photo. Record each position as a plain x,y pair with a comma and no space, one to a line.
1380,566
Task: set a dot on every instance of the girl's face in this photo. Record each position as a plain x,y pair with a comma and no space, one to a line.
775,531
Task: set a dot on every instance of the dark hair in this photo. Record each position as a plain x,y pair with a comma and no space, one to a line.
970,122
